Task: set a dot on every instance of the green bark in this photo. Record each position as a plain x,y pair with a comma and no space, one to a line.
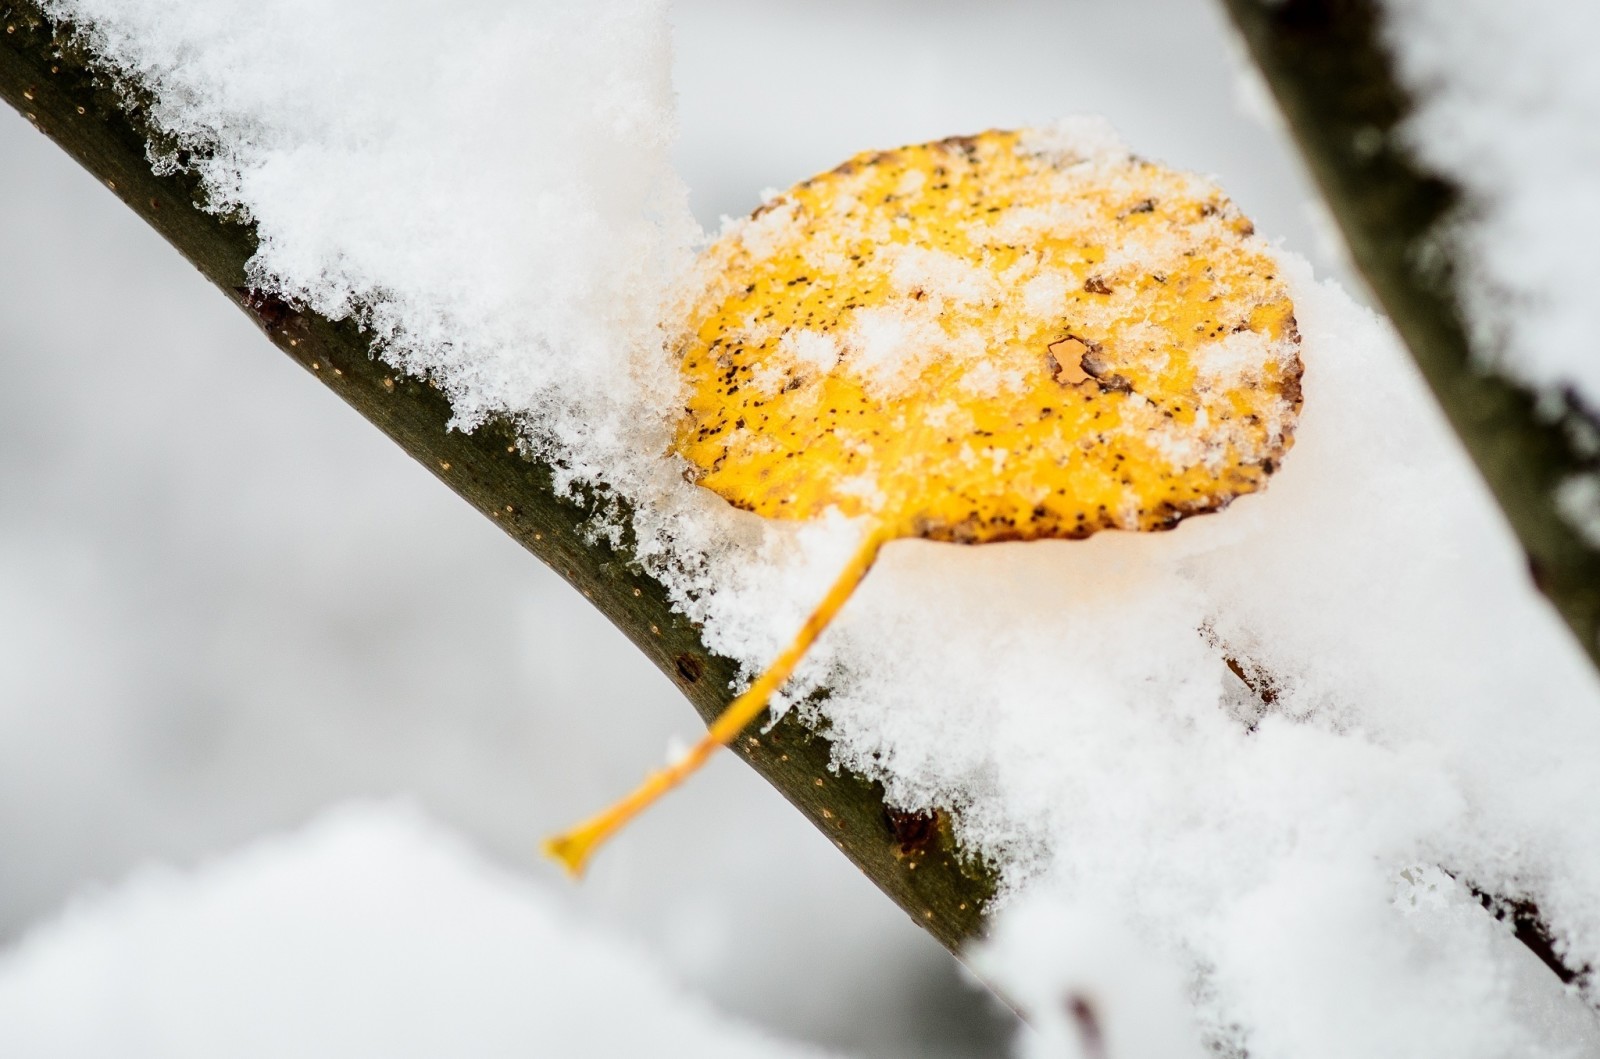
52,81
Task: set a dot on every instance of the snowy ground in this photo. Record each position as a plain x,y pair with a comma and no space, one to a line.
370,933
227,602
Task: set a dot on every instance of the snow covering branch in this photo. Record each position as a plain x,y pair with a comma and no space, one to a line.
48,77
1333,67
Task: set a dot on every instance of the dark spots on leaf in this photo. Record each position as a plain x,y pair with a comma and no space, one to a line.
1096,366
1096,285
1290,386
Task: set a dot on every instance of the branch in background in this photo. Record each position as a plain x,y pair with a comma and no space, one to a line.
46,76
1337,86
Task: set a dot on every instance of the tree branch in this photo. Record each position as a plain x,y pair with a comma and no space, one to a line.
1336,84
47,76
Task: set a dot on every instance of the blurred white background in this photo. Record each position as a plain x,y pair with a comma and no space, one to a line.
227,601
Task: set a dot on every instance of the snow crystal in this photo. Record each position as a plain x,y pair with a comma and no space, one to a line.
1408,704
890,345
1509,110
1231,357
370,933
811,350
1078,138
938,273
489,192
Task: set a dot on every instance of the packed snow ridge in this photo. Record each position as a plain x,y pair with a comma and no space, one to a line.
1278,868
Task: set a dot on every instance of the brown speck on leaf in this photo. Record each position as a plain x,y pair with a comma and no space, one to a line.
1098,368
1064,360
1290,387
914,832
1096,285
965,144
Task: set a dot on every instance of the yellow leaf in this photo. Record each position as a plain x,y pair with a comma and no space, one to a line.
997,337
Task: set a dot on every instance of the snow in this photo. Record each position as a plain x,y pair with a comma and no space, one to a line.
1508,109
371,932
516,223
1070,700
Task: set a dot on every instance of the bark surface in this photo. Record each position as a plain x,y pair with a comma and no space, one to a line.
49,78
1334,79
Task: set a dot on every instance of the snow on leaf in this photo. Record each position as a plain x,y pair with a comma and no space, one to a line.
1148,389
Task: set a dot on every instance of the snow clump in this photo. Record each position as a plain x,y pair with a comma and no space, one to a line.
373,932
